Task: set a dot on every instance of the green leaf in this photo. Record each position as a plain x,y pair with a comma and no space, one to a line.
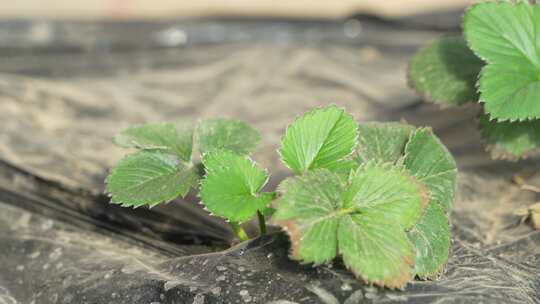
510,140
167,137
426,158
226,134
433,165
232,185
364,221
378,252
307,210
149,178
321,138
507,36
268,212
344,167
382,142
431,237
386,192
446,72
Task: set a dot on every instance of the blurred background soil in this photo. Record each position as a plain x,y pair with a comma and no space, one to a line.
145,9
74,73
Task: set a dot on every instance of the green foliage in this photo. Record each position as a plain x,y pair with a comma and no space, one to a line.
149,178
506,36
510,140
364,220
501,52
384,142
431,238
166,137
387,192
163,169
322,138
431,163
310,203
395,162
427,159
376,251
225,134
231,188
445,72
376,194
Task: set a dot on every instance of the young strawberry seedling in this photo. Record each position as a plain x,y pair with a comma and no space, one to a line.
378,195
497,63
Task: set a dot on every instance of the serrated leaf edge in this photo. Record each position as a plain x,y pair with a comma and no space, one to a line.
312,112
196,135
425,95
290,227
497,152
203,179
398,162
430,130
396,283
157,147
436,274
480,75
126,204
432,201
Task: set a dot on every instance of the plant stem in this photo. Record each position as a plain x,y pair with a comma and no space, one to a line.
239,231
262,223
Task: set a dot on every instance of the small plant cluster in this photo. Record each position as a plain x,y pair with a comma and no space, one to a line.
497,63
377,194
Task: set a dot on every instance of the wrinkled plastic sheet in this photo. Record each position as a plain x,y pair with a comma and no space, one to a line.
66,88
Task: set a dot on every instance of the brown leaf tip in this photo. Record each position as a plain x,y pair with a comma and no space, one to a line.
292,229
406,275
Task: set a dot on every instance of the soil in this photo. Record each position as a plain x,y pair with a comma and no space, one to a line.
63,99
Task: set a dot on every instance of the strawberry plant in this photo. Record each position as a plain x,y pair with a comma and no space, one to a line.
496,63
378,195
